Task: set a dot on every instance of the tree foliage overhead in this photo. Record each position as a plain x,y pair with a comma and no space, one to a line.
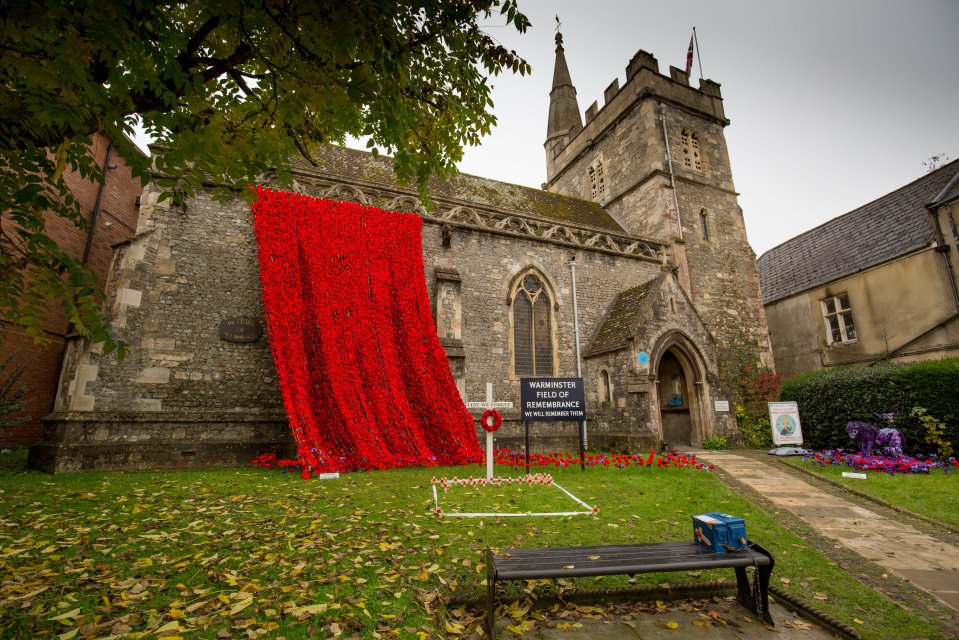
228,90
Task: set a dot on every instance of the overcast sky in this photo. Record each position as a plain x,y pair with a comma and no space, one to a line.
833,103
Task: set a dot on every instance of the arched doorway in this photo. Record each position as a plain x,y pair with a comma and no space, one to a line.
675,400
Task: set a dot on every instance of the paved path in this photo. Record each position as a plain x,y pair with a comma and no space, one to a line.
928,563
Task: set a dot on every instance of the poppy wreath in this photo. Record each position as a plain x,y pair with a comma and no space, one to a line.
497,420
364,379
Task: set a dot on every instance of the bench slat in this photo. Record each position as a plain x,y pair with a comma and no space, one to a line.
557,562
562,562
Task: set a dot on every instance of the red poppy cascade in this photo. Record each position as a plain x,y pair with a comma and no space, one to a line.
364,379
491,420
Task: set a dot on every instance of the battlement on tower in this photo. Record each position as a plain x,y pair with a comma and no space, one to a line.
643,82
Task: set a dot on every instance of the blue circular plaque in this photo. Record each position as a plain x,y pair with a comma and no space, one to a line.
643,358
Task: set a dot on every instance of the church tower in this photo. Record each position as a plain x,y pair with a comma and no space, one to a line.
655,157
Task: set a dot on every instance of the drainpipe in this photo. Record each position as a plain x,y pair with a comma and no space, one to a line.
669,162
96,205
579,365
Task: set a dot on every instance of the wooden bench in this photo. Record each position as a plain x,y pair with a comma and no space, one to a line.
571,562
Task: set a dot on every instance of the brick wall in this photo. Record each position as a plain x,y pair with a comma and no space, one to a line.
115,222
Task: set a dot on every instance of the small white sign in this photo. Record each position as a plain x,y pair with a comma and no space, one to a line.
848,474
329,476
489,405
722,405
784,420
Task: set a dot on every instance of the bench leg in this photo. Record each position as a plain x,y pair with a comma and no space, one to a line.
490,596
764,574
744,595
758,603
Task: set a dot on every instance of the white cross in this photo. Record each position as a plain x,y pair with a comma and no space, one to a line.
489,404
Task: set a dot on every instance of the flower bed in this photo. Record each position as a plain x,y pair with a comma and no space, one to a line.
510,458
885,464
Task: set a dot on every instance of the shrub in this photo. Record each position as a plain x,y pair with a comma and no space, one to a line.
716,443
755,429
12,392
753,386
935,429
828,400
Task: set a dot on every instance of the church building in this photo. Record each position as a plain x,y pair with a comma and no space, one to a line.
633,257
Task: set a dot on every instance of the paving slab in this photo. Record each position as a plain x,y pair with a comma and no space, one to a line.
928,563
736,624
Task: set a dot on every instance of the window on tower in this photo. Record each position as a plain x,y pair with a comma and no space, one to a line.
597,179
704,224
691,157
532,327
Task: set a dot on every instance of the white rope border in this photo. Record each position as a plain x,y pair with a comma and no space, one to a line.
458,514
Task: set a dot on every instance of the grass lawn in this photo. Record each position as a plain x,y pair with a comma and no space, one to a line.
253,552
935,495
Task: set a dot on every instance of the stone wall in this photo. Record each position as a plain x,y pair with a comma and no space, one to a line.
183,396
184,393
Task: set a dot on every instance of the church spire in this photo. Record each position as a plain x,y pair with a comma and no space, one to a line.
563,108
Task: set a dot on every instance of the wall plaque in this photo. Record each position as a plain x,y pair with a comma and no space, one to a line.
240,330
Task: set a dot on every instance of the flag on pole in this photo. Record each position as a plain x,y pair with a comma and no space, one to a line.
689,56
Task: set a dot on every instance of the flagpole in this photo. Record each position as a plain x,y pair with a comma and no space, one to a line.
697,54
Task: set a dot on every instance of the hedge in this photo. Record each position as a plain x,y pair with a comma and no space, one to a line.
831,398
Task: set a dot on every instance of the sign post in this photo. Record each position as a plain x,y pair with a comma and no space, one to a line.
551,400
787,430
489,404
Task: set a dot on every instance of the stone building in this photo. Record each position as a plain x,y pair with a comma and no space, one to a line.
639,218
875,284
110,208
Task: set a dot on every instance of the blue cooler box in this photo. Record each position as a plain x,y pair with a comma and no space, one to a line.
720,532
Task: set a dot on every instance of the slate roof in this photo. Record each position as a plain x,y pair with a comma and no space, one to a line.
949,193
351,164
616,329
887,228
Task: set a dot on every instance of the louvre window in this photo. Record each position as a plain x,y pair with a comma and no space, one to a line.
597,180
691,156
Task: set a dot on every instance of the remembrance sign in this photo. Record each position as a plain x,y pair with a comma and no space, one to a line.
550,400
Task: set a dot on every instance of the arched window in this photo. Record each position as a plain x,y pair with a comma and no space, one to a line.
532,328
605,387
704,224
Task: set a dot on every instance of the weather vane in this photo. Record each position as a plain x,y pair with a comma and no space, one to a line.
559,36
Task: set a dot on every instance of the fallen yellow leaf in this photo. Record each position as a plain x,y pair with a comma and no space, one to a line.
63,617
240,606
672,625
